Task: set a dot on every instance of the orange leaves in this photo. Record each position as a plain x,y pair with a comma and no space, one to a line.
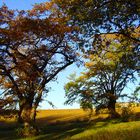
2,79
38,48
41,8
52,19
89,64
8,84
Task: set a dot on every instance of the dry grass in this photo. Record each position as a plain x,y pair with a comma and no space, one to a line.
62,115
67,115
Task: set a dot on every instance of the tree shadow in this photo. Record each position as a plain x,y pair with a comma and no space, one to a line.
62,130
7,130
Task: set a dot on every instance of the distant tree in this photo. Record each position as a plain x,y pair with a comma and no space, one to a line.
34,47
110,65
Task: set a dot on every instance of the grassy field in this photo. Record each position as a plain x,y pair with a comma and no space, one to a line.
75,125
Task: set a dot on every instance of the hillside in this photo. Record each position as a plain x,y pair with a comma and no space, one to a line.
76,124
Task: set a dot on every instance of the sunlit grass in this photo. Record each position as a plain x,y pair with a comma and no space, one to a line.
61,116
121,131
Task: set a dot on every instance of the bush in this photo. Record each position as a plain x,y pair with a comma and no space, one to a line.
27,131
127,114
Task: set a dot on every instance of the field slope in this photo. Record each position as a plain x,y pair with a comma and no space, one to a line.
75,125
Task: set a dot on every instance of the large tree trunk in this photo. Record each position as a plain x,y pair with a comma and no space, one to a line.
27,119
112,108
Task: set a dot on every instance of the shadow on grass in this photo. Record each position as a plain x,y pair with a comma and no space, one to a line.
65,130
59,130
53,131
7,130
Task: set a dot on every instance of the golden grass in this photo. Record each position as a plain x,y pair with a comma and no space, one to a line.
62,115
65,115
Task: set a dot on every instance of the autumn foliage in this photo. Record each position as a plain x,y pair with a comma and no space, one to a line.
35,47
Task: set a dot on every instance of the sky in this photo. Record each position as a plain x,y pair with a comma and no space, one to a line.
21,4
57,93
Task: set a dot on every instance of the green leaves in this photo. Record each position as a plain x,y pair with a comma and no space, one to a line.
108,71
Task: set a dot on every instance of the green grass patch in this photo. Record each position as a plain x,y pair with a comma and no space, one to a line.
121,131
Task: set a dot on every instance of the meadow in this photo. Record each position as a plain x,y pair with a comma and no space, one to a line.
76,124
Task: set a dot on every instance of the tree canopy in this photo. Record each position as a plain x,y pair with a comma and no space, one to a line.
109,15
34,47
110,65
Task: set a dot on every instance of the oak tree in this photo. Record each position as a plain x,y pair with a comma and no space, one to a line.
35,46
105,17
108,69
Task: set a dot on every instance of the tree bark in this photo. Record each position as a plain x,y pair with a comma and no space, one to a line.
19,114
27,119
112,108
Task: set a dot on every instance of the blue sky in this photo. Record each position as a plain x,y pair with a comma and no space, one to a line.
21,4
56,95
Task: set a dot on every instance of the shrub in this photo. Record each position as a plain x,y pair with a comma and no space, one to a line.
127,114
26,131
